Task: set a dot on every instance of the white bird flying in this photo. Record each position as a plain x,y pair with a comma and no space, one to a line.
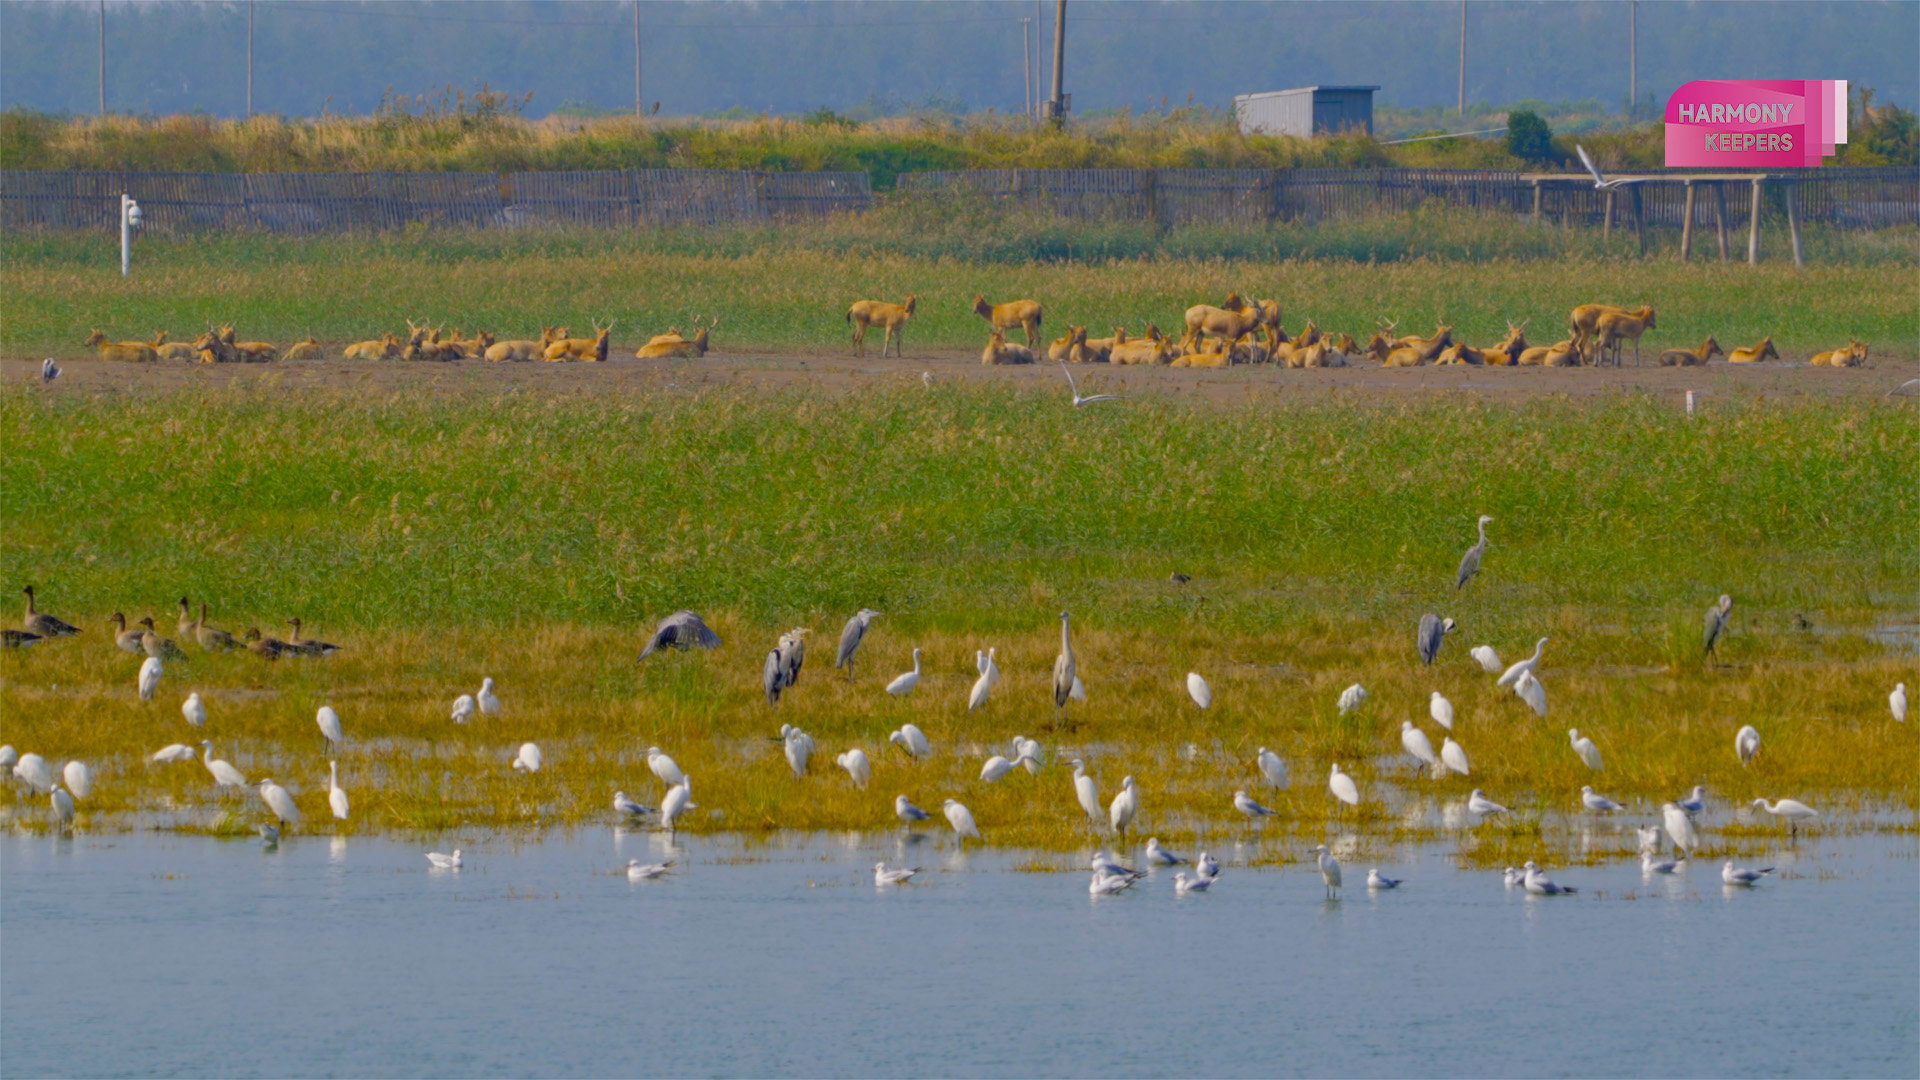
1077,399
1343,787
904,683
1600,182
1199,691
1441,710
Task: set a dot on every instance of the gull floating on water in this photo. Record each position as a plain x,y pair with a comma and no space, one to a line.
1208,866
1182,884
1377,880
443,861
639,871
1651,863
269,836
1735,875
1161,856
1597,802
883,876
1514,877
1539,884
1102,863
1108,884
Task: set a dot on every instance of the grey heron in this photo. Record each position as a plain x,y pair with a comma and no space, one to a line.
681,630
1716,623
1065,667
1433,631
850,639
1470,562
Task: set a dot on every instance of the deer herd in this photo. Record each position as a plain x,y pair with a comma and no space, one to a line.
1238,331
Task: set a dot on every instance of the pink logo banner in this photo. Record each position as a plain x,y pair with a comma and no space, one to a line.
1769,123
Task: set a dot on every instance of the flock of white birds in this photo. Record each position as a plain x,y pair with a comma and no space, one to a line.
684,629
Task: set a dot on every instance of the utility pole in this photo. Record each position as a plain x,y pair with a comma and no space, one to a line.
1037,80
103,57
249,59
638,109
1633,55
1026,54
1462,110
1057,110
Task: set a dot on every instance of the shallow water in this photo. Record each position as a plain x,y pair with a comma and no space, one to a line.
166,955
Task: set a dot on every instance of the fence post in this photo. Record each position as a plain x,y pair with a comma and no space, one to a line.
1639,220
1720,214
1753,223
1793,219
1606,220
1536,203
1686,227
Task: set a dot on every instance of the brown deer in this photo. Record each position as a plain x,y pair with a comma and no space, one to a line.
1692,357
138,352
892,318
1025,314
1761,351
999,351
672,343
591,349
1614,326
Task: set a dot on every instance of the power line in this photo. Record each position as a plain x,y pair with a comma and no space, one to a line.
324,6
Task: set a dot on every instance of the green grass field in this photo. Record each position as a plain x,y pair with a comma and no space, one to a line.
446,536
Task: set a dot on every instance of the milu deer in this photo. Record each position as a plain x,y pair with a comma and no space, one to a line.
892,318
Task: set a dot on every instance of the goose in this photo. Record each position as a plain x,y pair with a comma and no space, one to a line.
224,774
127,641
681,630
336,795
309,647
186,623
39,622
1065,669
18,639
266,648
157,647
904,683
1522,667
850,639
1470,562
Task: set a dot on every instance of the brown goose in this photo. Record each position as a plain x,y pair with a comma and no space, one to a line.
127,640
17,639
266,648
185,624
45,625
210,639
308,648
156,646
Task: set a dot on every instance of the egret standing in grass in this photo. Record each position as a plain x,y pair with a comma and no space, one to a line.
1433,631
62,807
1125,805
1026,752
855,762
1488,660
150,672
1746,743
1583,746
172,753
464,708
911,739
79,779
1523,667
1792,810
997,767
193,711
1199,691
1417,744
904,683
678,801
1897,701
280,802
798,746
982,687
961,820
907,812
336,795
486,699
1271,767
1717,620
1352,698
1454,757
1530,690
1087,792
1679,826
1065,667
1441,710
32,771
850,639
1470,562
1343,787
329,722
528,759
1329,869
224,774
664,767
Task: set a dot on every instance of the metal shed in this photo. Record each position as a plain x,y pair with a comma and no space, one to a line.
1306,111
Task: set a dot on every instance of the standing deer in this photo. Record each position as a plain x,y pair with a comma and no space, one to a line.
889,317
1025,314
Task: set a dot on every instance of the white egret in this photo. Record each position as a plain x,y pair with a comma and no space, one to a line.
798,746
1737,875
1251,809
1478,803
280,802
488,701
1417,744
992,670
1343,787
1125,805
907,812
624,805
904,683
1532,691
336,795
1694,803
1718,618
1651,863
1679,826
884,876
1897,701
1160,856
1208,866
1329,868
1454,757
1649,838
443,861
1182,884
1351,698
1199,691
1470,562
851,636
1597,802
664,767
1065,669
224,774
1520,668
1792,810
62,806
1746,743
150,672
1441,710
528,759
1431,635
1026,752
269,836
678,801
464,708
9,757
1108,884
194,710
1488,659
1539,884
855,762
912,740
1378,880
1583,746
1087,792
32,771
982,688
172,753
961,819
639,871
329,722
997,767
79,779
1271,767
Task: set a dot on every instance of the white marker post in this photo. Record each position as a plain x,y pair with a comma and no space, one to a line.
130,218
1689,403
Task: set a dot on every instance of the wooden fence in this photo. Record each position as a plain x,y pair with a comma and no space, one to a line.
339,202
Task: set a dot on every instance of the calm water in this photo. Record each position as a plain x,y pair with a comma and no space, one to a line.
163,955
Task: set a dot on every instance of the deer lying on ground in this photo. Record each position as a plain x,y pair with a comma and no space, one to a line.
999,351
1854,355
249,352
1460,353
1099,350
304,350
211,348
386,347
587,349
1759,352
1059,350
1025,314
1507,353
504,351
174,350
1205,354
1150,349
137,352
892,318
1692,357
672,343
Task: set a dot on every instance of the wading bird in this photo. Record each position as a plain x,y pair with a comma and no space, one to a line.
1121,811
1479,804
1087,792
1523,667
1329,869
1897,701
79,779
1470,562
1792,810
1343,787
1532,691
193,710
486,699
1417,744
1351,698
912,740
1597,802
329,723
528,759
1583,746
855,762
1433,631
664,767
681,630
336,795
1716,623
1679,826
1488,660
32,771
1746,743
679,800
1199,691
1454,756
1065,668
224,774
1441,710
62,807
904,683
850,638
280,802
1271,767
961,820
150,672
464,708
170,754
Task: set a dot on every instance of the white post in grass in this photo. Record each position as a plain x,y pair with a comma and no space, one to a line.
130,218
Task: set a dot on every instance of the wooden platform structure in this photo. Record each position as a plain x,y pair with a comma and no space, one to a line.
1693,182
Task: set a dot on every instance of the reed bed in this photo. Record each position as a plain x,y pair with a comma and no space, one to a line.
446,537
